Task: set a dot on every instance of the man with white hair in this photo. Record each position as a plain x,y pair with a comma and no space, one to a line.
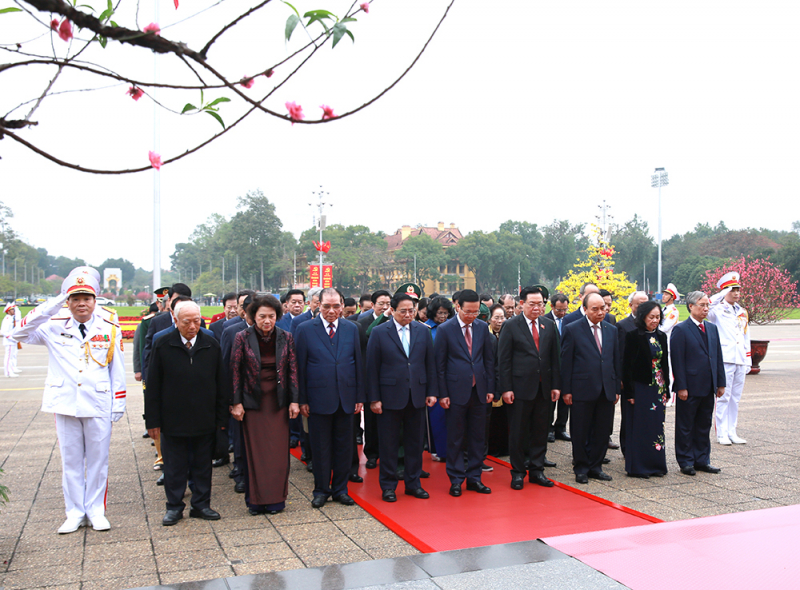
85,389
185,403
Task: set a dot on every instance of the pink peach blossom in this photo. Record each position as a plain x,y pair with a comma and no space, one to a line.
269,73
327,112
365,7
247,82
176,4
152,28
135,93
54,24
64,29
295,111
155,160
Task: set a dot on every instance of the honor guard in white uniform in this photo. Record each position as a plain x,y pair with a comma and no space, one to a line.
85,389
734,335
670,314
11,320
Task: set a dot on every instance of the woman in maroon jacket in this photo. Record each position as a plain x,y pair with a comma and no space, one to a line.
264,373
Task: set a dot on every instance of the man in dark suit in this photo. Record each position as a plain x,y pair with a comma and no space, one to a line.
381,301
609,300
401,381
185,402
699,374
230,308
331,382
590,380
295,300
624,326
585,290
466,373
163,320
528,355
312,311
559,413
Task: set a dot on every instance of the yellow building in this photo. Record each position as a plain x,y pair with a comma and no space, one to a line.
455,277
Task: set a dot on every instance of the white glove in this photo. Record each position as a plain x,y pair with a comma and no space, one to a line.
115,416
65,284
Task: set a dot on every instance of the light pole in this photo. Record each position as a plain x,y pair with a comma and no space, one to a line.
659,179
320,224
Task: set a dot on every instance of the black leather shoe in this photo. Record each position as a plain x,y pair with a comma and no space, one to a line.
293,443
389,496
606,460
255,512
517,482
455,490
548,463
581,478
309,467
601,475
707,468
230,448
304,457
204,513
424,474
612,445
359,440
539,478
319,501
688,470
344,500
220,462
418,493
172,517
476,486
356,478
401,474
562,435
235,473
239,487
145,435
371,463
160,480
551,437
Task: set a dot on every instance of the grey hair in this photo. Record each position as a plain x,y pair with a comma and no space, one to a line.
314,292
183,304
634,294
693,297
583,287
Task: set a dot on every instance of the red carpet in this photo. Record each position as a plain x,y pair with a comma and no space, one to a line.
755,549
443,523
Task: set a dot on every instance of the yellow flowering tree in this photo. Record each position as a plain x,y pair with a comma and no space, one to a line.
598,268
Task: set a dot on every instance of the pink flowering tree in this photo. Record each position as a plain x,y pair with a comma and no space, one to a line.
73,37
768,292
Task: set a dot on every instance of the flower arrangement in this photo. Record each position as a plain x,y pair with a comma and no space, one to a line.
768,292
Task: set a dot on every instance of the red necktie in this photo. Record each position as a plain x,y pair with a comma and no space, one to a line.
597,339
535,331
702,327
330,331
468,338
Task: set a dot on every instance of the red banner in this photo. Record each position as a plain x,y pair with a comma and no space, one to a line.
327,275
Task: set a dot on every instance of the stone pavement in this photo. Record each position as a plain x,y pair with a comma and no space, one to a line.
138,551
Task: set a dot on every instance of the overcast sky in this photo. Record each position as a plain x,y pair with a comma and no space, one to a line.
518,110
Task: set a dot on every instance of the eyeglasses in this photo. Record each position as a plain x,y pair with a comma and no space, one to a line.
702,305
539,305
336,307
470,313
405,311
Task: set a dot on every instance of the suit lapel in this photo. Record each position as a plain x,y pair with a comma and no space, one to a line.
699,335
323,335
460,336
528,335
395,337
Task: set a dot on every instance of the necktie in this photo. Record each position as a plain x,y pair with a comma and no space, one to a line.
404,340
331,332
189,345
558,323
82,328
535,331
468,338
702,327
597,339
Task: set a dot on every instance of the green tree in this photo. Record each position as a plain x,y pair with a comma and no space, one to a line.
788,256
494,258
633,247
690,275
430,257
562,245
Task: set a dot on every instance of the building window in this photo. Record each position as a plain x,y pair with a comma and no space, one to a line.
461,269
451,269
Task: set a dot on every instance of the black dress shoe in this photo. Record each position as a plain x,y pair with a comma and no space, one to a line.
230,448
239,487
455,490
309,467
539,478
356,478
707,468
371,463
256,512
220,462
562,435
204,513
304,457
688,470
160,480
401,474
548,463
517,482
601,475
581,478
319,501
389,496
612,444
359,440
606,460
551,437
293,443
172,517
235,473
344,500
424,474
145,435
418,493
476,486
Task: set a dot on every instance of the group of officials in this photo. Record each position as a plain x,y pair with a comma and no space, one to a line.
387,364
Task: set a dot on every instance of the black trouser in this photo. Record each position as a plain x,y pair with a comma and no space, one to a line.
182,455
394,426
466,429
623,410
371,444
559,411
235,433
295,428
692,427
332,447
590,425
528,422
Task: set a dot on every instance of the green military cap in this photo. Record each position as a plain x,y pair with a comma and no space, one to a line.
483,313
545,292
409,289
161,292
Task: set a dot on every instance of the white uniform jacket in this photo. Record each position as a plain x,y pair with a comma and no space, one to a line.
670,318
734,335
85,377
6,329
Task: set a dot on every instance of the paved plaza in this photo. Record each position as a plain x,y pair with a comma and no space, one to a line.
138,551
